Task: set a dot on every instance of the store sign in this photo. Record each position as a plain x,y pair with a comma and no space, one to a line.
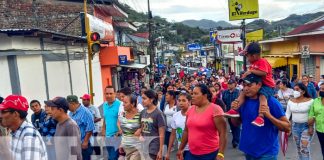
229,36
105,29
254,36
123,59
193,47
243,9
305,51
212,36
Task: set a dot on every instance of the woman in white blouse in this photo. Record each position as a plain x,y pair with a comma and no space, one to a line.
298,108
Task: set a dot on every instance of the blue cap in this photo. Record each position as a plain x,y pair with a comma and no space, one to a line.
252,78
58,102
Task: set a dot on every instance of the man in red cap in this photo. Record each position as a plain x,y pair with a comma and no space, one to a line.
26,141
96,118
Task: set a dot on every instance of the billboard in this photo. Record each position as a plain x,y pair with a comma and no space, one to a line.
243,9
193,47
254,36
229,36
105,29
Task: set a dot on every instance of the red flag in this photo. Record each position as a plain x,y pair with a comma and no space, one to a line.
284,142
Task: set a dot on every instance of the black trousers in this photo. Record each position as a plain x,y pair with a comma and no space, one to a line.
321,140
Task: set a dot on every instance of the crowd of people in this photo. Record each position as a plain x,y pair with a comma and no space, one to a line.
188,115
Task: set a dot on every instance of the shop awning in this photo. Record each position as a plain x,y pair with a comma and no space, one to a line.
277,62
135,65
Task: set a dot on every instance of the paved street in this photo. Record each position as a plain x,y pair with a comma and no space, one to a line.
236,154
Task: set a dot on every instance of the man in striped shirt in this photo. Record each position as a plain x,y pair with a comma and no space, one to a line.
26,142
83,117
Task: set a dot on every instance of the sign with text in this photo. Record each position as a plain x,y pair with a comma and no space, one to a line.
229,36
254,36
123,59
243,9
105,29
194,47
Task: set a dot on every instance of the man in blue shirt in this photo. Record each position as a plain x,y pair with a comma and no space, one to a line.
39,115
228,97
259,143
83,117
110,128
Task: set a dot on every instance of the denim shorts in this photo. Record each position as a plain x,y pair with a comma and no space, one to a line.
209,156
266,91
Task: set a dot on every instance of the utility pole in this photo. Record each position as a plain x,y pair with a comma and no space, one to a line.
244,43
87,28
149,50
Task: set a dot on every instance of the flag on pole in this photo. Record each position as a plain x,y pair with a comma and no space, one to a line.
284,142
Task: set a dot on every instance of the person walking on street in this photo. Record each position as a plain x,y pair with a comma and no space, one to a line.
110,128
310,87
178,124
96,119
298,107
153,126
229,96
205,129
284,93
48,131
26,142
259,143
316,116
39,115
83,117
131,129
67,132
169,110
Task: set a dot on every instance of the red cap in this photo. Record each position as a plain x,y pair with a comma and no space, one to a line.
86,97
14,102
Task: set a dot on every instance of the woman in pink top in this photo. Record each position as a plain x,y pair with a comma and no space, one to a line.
205,129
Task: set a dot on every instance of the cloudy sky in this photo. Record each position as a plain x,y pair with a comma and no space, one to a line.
179,10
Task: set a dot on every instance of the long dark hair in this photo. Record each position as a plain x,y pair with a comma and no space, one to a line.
152,95
205,90
303,88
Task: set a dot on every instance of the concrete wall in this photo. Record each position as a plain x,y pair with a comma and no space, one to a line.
5,84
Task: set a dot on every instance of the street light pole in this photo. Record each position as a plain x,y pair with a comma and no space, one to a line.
244,43
87,29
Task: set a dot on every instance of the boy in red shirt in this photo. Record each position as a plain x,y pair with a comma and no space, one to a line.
260,67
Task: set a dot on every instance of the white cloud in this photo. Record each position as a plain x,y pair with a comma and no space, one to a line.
179,10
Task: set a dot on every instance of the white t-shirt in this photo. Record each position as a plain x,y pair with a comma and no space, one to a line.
121,108
284,96
299,111
169,112
178,123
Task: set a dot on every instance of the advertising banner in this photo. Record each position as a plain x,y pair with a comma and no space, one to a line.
105,29
254,36
229,36
243,9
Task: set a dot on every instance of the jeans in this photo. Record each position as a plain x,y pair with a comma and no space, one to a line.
113,144
302,139
167,138
264,157
321,140
266,91
86,153
236,133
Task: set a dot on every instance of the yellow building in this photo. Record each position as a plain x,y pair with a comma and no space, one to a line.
283,53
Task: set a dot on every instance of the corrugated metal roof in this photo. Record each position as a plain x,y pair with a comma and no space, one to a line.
307,28
28,30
